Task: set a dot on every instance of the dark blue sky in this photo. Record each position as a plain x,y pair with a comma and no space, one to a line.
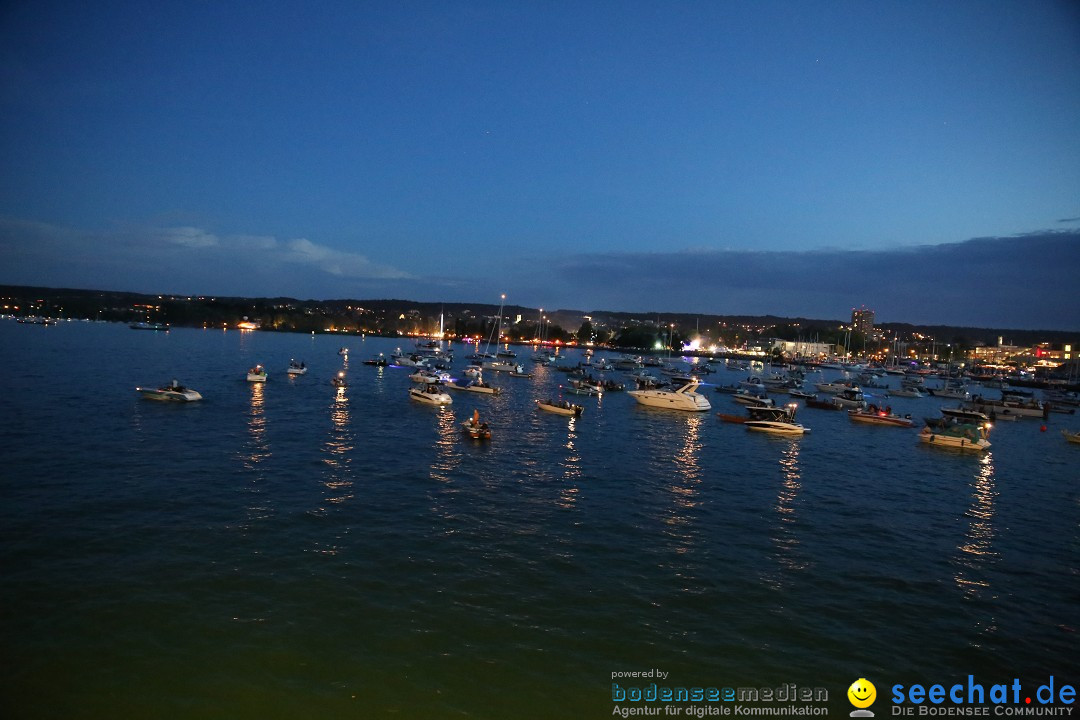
624,155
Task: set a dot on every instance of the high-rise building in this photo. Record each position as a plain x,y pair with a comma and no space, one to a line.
862,320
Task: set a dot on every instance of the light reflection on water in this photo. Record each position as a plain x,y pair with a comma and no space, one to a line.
784,537
975,554
571,467
338,482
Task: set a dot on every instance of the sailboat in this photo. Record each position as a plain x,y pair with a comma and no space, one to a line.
496,364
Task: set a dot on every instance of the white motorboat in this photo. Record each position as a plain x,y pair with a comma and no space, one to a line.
683,397
908,391
833,388
503,366
173,392
776,420
431,394
851,397
560,407
297,368
426,376
477,386
257,374
750,399
1071,436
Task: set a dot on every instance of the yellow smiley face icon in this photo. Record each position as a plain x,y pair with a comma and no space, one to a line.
862,693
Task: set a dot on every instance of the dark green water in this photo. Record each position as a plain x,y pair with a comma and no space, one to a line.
285,551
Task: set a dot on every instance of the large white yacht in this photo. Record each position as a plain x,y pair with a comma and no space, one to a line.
681,398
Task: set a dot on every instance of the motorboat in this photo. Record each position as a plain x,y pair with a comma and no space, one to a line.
834,388
874,415
961,413
503,366
431,394
776,420
297,368
729,418
142,325
683,397
908,391
173,392
473,371
953,434
257,374
1071,436
850,397
1009,404
475,429
426,376
378,361
751,400
477,386
339,380
560,407
802,395
829,403
520,373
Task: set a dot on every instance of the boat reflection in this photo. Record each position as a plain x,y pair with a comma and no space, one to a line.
258,447
976,554
785,540
571,467
685,488
447,445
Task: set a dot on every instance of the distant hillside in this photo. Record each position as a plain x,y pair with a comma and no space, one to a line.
391,316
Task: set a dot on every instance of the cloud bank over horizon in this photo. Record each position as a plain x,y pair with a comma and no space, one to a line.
1024,282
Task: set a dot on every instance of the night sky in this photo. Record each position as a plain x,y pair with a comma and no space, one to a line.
793,158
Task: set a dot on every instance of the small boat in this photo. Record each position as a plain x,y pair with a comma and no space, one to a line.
960,413
802,395
776,420
431,394
908,391
257,374
378,361
953,434
733,418
682,398
502,366
520,374
560,407
1073,437
876,416
297,368
339,380
475,429
477,386
344,352
823,404
850,397
142,326
750,399
173,392
426,376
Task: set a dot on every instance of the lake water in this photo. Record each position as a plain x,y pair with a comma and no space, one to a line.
289,551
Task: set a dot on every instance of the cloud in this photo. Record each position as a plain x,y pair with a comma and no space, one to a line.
188,237
1069,220
180,259
1007,282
